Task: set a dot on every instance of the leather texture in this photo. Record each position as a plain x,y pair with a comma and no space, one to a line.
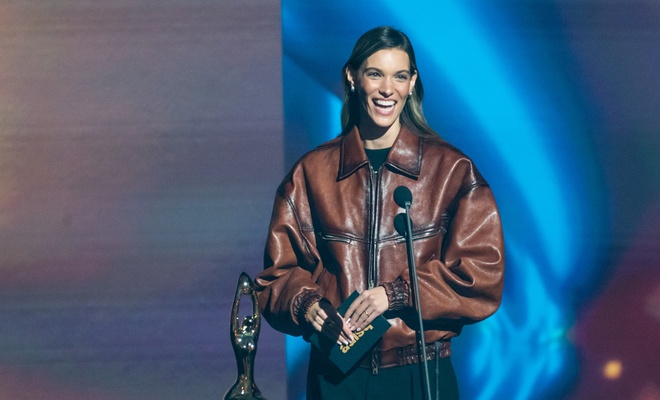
332,232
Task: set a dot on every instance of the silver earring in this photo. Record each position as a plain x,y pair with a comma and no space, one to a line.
352,88
410,94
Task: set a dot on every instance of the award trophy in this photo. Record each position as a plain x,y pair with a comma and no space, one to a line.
244,341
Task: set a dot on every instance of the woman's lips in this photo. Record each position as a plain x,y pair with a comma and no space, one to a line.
384,107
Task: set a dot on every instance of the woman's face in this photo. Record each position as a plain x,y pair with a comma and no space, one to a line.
383,83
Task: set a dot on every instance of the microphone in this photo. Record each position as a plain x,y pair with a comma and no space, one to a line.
402,196
400,224
403,225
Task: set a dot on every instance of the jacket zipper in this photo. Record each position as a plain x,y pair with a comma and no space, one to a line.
373,233
373,227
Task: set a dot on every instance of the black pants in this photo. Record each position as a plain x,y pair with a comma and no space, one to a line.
325,382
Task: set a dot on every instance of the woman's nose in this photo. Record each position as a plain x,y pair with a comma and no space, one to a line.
386,87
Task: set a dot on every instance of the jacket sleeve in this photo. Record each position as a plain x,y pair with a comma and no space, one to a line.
466,282
286,287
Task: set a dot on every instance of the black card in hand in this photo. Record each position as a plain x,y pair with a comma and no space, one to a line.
346,356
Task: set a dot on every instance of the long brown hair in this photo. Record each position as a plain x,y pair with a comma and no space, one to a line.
384,37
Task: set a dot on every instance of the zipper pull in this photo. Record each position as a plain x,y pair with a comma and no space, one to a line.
374,363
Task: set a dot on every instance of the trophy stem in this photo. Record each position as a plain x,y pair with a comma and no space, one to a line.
244,337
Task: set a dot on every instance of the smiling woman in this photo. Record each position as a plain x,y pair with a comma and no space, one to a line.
332,233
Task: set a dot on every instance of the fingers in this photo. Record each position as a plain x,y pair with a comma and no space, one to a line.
315,316
366,307
318,320
363,319
333,325
339,333
358,312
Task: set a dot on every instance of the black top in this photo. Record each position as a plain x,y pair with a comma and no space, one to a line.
377,157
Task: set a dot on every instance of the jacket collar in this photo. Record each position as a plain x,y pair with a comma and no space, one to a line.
404,157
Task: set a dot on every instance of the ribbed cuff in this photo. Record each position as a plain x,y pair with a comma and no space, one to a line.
303,302
397,294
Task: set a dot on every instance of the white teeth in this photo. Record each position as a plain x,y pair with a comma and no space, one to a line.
384,103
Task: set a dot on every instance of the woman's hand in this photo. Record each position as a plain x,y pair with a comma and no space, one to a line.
326,320
366,307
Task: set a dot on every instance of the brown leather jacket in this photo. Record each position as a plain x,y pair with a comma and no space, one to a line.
332,232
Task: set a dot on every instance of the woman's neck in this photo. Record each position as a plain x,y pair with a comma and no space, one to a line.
376,137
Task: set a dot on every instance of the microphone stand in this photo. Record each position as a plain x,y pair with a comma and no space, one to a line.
421,341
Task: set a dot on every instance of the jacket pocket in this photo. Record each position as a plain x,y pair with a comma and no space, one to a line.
423,234
334,237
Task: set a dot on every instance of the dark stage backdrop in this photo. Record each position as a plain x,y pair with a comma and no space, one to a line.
140,149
